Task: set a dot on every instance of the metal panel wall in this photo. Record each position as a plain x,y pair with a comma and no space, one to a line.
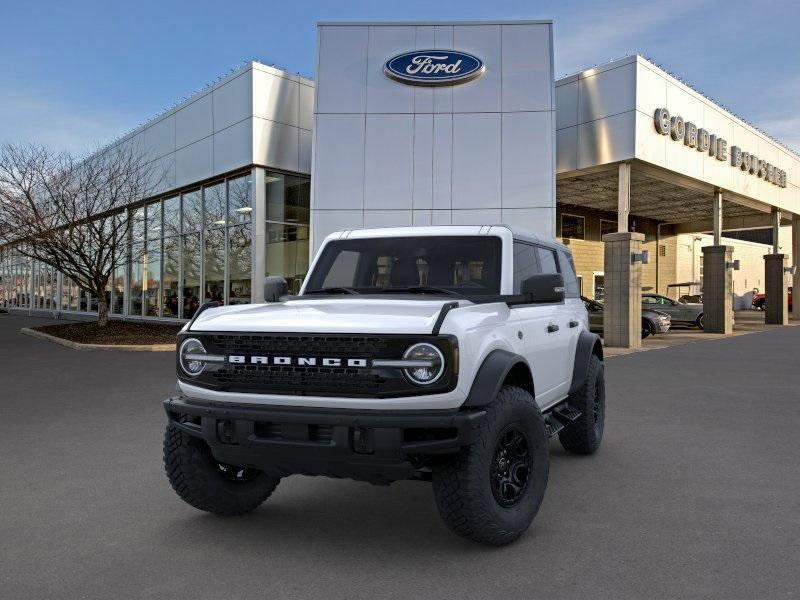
657,89
256,115
606,115
596,119
386,153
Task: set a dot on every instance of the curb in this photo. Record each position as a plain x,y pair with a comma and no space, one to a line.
78,346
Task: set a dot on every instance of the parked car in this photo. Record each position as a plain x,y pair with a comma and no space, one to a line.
681,313
653,321
760,300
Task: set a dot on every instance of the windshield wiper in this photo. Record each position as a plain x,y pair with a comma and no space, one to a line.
332,290
420,289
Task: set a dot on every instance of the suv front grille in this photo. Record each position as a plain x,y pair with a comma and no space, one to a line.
347,381
298,345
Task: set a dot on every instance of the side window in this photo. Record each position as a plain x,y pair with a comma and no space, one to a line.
649,300
525,264
570,279
547,260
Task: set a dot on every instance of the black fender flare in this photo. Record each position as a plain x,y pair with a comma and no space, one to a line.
588,344
491,375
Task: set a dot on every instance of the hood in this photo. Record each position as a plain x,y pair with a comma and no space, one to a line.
326,315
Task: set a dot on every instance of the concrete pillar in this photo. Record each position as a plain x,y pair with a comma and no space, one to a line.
717,289
717,217
777,312
796,263
623,197
258,229
776,231
622,315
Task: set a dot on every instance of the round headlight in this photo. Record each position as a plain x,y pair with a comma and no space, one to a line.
431,363
189,352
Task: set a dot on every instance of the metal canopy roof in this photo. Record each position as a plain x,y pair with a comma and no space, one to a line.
651,197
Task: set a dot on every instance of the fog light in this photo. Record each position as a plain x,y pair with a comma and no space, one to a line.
430,365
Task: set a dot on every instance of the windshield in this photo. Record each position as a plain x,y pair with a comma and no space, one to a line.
464,265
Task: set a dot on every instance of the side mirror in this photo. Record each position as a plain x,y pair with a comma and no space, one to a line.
544,288
274,288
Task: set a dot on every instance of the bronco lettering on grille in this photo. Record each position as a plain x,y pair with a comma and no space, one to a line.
299,361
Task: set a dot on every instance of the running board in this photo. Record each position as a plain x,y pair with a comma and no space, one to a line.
561,416
552,425
564,413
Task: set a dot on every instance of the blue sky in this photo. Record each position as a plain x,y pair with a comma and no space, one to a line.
75,74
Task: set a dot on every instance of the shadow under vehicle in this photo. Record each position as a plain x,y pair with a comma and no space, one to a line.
653,321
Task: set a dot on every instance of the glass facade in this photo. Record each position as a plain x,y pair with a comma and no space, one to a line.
288,209
184,249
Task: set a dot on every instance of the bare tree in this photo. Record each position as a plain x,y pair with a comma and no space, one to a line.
70,213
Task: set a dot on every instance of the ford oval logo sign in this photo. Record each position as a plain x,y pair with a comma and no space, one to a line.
434,67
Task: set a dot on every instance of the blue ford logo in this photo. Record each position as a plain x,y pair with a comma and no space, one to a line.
434,67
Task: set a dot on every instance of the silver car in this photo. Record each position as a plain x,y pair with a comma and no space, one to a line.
682,313
653,321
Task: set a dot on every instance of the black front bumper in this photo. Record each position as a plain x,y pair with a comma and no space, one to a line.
377,446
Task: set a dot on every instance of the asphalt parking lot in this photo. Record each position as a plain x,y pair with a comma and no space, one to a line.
695,494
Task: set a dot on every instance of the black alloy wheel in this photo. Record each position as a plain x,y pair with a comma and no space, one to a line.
511,466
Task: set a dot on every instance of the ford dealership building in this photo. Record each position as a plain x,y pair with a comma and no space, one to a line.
451,123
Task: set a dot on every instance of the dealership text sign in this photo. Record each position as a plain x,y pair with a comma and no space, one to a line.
434,67
706,142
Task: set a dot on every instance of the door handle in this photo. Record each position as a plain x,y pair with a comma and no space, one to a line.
573,323
552,328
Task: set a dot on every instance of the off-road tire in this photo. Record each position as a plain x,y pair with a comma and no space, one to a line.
462,484
201,482
584,434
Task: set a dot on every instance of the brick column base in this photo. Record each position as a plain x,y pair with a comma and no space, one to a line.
776,290
622,312
717,290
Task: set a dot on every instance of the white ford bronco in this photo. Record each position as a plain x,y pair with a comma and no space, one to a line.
444,354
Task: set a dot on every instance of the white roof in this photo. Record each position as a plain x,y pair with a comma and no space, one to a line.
445,230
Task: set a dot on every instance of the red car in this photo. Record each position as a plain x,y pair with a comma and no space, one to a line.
760,300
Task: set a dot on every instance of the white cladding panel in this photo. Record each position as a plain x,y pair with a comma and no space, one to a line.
524,187
277,98
390,153
606,115
341,69
484,94
276,145
194,162
159,138
339,173
232,146
388,174
476,171
233,101
383,94
657,89
257,115
194,122
596,116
